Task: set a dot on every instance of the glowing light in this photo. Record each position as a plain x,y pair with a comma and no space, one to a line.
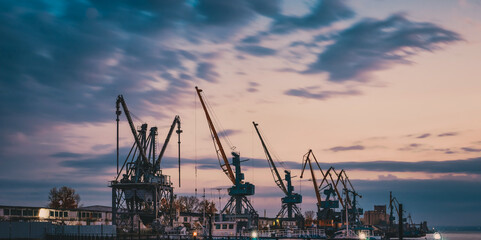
362,235
437,236
194,234
43,213
254,234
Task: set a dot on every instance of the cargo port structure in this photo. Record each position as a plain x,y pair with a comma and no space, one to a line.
238,206
326,214
140,192
291,199
337,190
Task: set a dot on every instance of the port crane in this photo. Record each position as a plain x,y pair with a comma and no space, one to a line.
291,199
353,210
238,205
326,214
140,190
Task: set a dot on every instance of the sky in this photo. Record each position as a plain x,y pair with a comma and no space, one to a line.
386,90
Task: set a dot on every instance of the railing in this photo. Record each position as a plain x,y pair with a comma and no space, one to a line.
284,233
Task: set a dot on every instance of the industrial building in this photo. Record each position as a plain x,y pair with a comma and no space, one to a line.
378,216
91,215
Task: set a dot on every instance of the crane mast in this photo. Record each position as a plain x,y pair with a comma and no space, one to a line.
291,199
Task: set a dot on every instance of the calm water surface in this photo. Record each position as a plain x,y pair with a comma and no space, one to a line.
461,236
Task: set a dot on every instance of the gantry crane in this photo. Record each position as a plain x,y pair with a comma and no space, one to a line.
140,190
238,204
291,199
326,213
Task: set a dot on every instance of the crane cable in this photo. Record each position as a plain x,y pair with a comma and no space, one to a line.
195,143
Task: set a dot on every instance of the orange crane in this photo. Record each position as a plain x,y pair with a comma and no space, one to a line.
238,204
325,208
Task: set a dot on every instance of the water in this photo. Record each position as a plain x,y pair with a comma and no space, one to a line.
461,235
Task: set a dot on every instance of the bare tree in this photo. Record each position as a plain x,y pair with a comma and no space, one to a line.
191,204
63,198
309,215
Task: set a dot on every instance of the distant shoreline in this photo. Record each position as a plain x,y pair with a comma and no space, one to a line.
464,229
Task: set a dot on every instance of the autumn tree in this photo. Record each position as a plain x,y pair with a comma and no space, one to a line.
63,198
187,204
207,207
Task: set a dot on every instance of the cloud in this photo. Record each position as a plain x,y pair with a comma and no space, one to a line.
67,155
320,95
67,65
424,135
372,44
469,149
258,51
387,177
252,87
467,166
448,134
410,147
346,148
229,13
228,132
206,71
322,15
445,150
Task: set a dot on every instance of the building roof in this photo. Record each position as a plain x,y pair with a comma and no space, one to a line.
96,208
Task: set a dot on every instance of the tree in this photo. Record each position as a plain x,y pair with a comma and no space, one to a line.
309,215
187,204
207,207
63,198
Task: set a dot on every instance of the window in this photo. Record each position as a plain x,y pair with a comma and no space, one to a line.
6,212
231,226
65,214
16,212
217,226
224,226
28,212
51,213
83,215
35,213
185,219
56,213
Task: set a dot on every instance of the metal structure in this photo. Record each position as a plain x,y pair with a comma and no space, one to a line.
291,199
238,205
330,185
350,194
140,192
326,213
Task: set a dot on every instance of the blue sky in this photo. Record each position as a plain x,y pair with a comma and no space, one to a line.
386,90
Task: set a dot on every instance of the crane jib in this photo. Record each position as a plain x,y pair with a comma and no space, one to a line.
228,169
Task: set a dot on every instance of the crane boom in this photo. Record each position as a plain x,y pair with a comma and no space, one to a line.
167,139
226,166
277,177
121,101
313,176
166,142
